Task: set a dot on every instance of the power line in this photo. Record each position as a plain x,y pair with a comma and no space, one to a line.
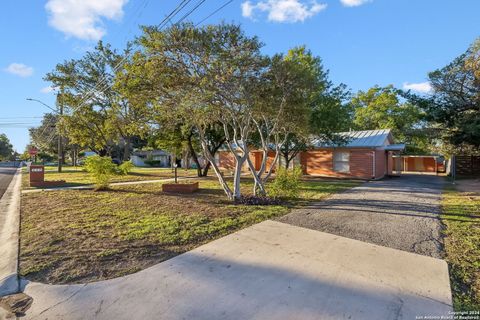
103,83
214,12
191,11
172,14
6,118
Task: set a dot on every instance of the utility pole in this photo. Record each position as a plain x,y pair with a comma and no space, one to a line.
59,112
60,138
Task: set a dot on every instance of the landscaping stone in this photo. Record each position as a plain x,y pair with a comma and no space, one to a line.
180,187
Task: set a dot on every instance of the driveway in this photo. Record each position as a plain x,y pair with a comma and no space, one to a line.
401,213
270,270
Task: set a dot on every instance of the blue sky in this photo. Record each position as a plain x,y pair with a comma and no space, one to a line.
362,43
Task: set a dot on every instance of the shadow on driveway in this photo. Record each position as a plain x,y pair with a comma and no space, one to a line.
401,213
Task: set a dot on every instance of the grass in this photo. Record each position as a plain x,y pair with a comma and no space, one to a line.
72,236
76,176
461,217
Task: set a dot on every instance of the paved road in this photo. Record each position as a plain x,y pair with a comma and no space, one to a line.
400,213
6,175
270,270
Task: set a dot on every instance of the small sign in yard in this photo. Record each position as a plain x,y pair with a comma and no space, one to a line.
33,151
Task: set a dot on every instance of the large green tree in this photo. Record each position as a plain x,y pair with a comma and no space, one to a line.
385,108
454,105
327,105
97,115
6,148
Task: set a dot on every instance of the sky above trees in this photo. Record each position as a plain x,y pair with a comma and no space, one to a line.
362,43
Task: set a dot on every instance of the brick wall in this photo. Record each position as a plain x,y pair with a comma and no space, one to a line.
320,162
226,160
361,163
380,163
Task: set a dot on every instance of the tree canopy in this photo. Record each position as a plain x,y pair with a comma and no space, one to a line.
454,105
6,148
385,108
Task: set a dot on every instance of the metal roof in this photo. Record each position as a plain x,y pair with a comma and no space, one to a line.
359,139
395,147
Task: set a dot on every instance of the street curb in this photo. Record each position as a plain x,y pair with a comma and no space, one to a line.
9,236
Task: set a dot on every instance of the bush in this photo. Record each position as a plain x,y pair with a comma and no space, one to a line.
125,168
286,183
102,169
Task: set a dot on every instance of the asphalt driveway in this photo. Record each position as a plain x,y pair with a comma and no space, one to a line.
400,213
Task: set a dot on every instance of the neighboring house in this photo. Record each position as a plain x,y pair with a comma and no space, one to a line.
365,155
155,158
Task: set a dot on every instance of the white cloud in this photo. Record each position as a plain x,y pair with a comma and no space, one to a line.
353,3
423,87
48,89
19,69
83,18
283,10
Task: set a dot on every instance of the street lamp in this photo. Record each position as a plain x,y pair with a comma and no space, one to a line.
60,140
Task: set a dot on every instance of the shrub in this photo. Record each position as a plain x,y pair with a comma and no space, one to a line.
102,169
286,183
125,168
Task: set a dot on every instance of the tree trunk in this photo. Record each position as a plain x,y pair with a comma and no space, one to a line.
205,169
212,152
194,155
287,162
126,149
237,193
211,160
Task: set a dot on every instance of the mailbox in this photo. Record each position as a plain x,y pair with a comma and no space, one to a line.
37,174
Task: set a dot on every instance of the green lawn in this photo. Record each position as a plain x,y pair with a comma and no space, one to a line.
80,235
461,217
76,176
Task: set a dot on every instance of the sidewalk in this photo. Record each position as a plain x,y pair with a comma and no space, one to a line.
126,183
9,233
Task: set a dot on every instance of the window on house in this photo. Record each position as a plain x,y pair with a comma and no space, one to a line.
341,161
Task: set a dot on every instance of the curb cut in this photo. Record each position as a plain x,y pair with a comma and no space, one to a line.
9,236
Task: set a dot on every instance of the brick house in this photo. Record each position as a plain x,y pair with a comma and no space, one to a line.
366,155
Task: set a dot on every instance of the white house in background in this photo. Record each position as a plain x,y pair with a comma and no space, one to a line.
160,158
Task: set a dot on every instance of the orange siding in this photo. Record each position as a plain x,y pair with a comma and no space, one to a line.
429,164
420,164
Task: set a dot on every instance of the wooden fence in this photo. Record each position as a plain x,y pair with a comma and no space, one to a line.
466,165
